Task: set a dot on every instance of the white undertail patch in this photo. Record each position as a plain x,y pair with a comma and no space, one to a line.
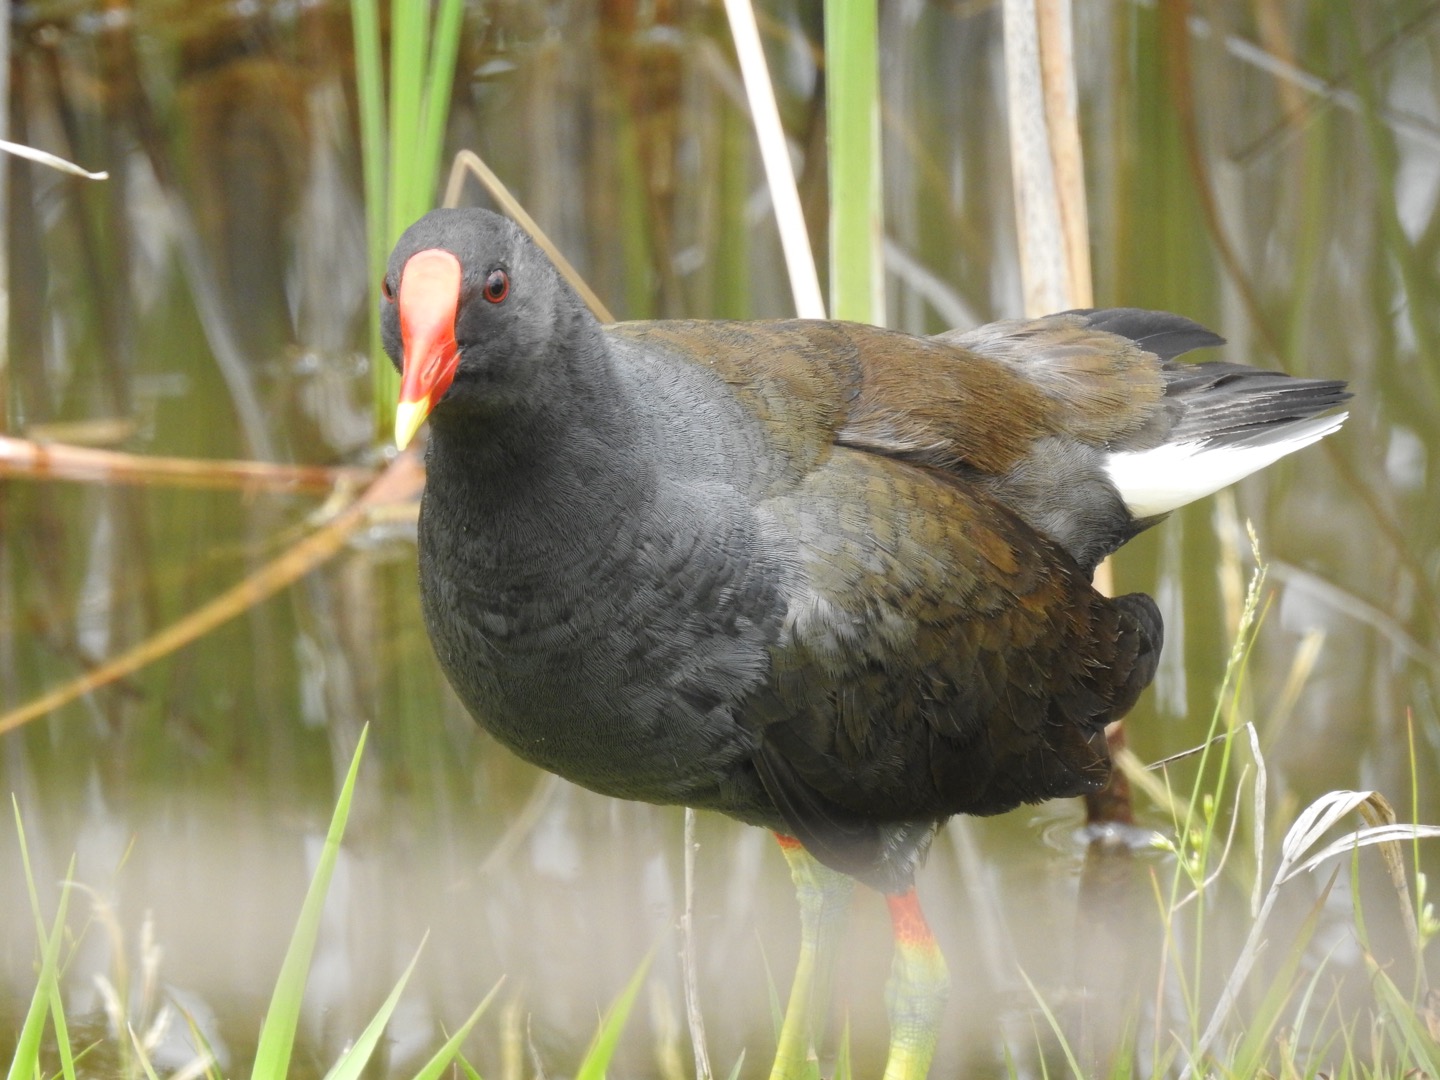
1167,477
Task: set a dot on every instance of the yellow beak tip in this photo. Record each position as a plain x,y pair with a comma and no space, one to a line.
409,415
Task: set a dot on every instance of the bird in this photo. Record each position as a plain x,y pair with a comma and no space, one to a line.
829,579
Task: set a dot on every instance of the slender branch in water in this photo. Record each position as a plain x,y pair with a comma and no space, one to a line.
60,461
471,162
1325,92
401,481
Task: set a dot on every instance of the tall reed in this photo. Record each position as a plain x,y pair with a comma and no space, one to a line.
401,142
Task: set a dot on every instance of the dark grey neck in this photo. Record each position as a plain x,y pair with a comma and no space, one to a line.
540,489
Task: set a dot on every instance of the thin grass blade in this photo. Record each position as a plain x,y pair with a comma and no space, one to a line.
777,1008
688,963
277,1037
26,1062
1376,834
1424,1051
370,89
370,92
1122,1065
201,1043
447,1053
204,1065
444,49
602,1048
140,1053
1260,1022
1055,1028
352,1063
1257,810
1316,820
844,1070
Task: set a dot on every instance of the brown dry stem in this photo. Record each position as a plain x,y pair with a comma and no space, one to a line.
400,482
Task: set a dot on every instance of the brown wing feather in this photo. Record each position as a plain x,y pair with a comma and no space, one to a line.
984,399
980,399
940,658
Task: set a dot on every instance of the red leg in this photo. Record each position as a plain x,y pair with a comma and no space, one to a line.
916,993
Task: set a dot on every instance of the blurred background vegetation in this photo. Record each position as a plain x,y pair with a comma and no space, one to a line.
1268,167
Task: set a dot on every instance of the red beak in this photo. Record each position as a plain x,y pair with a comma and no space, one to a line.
429,297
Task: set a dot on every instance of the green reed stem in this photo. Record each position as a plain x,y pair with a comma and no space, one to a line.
401,149
852,65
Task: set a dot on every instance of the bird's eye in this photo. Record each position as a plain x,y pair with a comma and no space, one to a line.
497,286
386,291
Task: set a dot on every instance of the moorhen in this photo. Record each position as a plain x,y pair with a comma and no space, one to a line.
825,578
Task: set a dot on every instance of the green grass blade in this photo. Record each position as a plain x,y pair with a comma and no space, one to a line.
352,1063
62,1030
843,1068
734,275
200,1042
777,1008
57,1012
1260,1023
447,1053
1055,1028
1122,1066
602,1047
470,1072
739,1064
370,90
277,1037
852,103
26,1062
46,998
1407,1026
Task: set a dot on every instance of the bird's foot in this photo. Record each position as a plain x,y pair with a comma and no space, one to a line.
824,897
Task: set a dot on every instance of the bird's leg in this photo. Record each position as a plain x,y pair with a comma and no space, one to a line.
915,995
824,896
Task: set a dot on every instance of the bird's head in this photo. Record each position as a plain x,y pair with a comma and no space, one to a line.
470,311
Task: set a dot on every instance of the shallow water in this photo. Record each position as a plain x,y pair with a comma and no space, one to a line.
210,301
